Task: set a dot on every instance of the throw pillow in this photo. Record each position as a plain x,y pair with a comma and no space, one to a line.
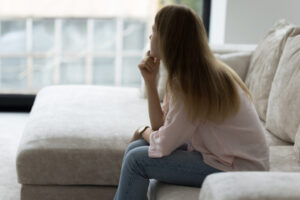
283,114
264,63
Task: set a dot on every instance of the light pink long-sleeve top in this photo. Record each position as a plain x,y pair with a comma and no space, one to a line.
238,144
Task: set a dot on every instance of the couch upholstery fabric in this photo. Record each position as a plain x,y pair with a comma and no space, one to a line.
283,115
77,135
67,192
284,159
273,140
164,191
297,144
251,186
264,63
239,62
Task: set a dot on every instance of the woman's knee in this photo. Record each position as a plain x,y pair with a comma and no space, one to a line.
136,143
135,158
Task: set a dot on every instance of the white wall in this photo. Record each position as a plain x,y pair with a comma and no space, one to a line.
247,21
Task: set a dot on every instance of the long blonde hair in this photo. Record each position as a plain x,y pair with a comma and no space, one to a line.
206,84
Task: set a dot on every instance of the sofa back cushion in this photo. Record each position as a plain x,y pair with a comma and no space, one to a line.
239,62
263,65
283,114
297,144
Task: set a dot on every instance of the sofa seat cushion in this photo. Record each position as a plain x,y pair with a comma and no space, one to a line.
164,191
77,134
284,159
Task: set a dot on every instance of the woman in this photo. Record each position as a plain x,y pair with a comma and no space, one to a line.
207,123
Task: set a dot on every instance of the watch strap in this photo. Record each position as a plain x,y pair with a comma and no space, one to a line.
143,129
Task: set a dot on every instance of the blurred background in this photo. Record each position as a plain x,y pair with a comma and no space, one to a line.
53,42
99,42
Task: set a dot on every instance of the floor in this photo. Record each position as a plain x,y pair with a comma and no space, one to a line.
11,127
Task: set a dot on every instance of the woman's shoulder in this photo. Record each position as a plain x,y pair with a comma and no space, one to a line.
244,97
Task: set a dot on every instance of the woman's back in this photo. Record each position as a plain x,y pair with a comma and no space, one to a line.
236,144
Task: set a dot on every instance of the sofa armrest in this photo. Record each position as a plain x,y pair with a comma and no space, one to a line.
251,185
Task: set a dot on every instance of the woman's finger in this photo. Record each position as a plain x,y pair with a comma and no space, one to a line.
150,60
149,67
144,67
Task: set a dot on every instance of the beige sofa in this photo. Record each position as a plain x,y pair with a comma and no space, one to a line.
73,143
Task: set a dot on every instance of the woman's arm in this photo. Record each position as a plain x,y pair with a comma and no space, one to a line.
176,131
149,68
156,114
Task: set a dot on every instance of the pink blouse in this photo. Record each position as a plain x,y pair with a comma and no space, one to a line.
238,144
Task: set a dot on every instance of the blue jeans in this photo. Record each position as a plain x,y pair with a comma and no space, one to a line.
180,167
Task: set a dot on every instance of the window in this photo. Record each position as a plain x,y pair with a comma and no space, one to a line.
41,51
70,51
202,7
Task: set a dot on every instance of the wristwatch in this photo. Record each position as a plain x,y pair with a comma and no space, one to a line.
142,129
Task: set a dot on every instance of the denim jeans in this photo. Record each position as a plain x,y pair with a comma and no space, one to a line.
180,167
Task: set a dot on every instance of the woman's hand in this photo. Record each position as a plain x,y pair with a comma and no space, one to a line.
149,68
136,136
